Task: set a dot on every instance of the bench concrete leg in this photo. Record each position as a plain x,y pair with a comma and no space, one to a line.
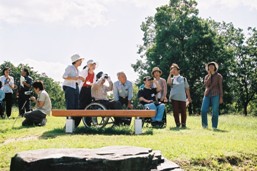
70,125
138,126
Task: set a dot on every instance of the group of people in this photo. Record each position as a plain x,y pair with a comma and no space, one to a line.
83,87
25,96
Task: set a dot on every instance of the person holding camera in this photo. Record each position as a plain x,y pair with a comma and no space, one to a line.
179,95
25,86
43,106
213,94
99,93
71,85
147,97
2,96
8,86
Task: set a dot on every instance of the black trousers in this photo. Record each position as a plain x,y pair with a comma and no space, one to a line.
24,103
1,109
112,105
8,104
33,117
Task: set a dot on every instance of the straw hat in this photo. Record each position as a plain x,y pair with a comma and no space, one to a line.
156,69
174,66
212,63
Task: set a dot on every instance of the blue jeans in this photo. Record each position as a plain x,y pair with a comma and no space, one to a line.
159,111
214,102
71,97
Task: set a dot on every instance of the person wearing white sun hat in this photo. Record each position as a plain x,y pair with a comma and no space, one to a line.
70,85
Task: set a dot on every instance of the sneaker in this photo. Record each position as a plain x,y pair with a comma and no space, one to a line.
42,123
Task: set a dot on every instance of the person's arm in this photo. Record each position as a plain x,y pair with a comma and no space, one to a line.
67,77
187,90
221,89
141,97
115,92
110,87
27,83
169,80
130,96
164,98
207,80
38,102
2,96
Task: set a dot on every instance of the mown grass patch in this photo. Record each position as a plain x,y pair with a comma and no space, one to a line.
232,147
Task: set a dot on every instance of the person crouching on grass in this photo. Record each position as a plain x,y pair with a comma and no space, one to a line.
43,107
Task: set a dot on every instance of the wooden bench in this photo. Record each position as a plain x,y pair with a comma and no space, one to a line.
104,113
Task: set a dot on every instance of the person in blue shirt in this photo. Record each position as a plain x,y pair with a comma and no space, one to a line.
8,86
2,96
123,92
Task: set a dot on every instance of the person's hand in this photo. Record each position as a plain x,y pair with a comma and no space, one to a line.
221,100
32,98
81,78
149,101
165,100
109,79
189,99
130,106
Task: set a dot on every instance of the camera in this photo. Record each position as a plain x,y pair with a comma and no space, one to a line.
106,76
28,93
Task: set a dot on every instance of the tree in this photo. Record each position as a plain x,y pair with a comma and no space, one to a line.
52,87
177,35
244,70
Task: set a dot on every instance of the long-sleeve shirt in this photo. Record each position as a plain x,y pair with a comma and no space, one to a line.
163,92
71,71
123,90
99,91
7,83
2,95
213,85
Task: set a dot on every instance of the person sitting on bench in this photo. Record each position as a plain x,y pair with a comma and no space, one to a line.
123,92
147,97
43,104
99,93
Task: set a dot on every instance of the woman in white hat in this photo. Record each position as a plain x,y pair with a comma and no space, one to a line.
161,96
213,94
70,85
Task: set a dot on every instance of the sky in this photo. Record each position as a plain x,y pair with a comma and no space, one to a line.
46,33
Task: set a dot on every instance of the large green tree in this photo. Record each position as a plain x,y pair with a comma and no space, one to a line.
177,35
52,87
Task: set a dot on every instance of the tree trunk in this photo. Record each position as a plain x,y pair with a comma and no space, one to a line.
245,109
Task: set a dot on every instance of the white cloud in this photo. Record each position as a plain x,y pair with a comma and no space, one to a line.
76,13
227,3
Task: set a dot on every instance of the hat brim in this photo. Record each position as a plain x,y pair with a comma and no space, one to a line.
78,60
158,71
211,63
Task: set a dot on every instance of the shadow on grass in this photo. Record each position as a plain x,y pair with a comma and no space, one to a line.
220,130
178,129
94,131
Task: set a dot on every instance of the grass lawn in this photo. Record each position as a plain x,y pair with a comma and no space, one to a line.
232,147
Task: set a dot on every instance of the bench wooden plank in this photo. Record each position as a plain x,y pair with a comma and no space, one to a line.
105,113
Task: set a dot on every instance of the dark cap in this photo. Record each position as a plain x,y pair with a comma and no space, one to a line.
99,75
148,78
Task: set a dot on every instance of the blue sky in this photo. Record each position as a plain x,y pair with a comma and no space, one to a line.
45,33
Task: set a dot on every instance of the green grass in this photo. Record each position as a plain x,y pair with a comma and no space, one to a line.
232,147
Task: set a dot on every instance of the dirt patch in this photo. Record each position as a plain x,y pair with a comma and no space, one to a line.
11,140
